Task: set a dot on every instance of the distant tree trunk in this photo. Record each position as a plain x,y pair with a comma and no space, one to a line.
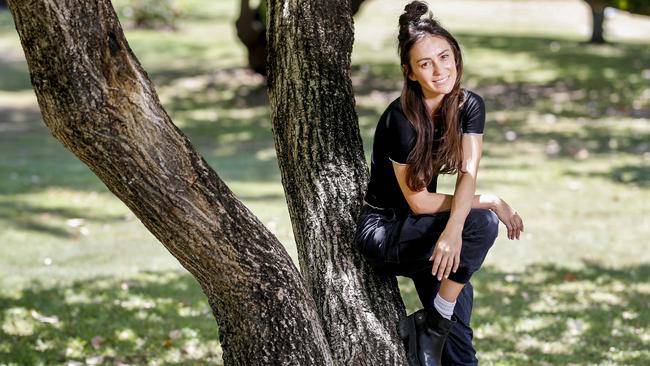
324,175
98,101
598,19
355,5
251,30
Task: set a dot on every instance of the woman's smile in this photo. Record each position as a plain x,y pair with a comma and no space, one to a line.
441,81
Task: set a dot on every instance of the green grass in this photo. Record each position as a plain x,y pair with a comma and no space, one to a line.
566,143
549,315
152,317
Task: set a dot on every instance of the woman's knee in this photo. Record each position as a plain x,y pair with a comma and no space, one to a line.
482,223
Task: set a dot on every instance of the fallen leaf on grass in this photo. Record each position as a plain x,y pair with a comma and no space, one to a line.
569,277
97,341
174,334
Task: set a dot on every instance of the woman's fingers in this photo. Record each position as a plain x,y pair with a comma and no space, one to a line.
513,224
437,257
510,228
518,224
450,265
441,269
456,262
517,232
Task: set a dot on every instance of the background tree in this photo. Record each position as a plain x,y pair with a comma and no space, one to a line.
251,30
98,101
598,13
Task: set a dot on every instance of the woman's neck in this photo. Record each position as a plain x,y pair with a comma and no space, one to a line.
433,103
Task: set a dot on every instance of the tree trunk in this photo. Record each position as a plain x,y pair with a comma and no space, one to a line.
99,102
252,33
324,175
598,19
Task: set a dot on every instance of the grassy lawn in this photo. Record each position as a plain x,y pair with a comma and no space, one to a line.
567,143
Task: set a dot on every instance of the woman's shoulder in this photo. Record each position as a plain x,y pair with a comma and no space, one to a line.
472,113
471,101
394,116
395,106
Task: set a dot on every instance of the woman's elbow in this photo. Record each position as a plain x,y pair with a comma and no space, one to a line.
416,208
469,174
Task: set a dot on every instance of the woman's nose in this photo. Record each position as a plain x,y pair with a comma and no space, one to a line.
435,69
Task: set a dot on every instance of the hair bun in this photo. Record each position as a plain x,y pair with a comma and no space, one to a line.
413,11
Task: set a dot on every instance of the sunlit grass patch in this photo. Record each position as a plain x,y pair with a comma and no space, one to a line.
149,317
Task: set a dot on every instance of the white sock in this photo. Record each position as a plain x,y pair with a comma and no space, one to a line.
444,307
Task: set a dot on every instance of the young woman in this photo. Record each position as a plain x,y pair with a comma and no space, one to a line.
406,228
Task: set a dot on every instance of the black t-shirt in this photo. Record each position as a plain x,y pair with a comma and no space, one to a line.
394,139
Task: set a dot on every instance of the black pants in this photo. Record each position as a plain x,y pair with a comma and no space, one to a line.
402,245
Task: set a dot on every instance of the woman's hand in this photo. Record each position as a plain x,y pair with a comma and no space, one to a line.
509,217
446,254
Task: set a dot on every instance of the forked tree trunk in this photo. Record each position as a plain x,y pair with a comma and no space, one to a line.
98,101
324,175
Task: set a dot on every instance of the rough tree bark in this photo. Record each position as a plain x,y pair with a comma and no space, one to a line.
324,174
99,102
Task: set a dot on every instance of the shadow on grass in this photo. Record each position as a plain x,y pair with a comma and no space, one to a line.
226,115
47,220
627,174
557,316
547,314
226,119
572,137
161,317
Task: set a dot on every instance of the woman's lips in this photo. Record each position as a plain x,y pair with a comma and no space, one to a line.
442,81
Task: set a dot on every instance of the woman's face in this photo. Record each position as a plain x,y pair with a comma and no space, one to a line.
433,65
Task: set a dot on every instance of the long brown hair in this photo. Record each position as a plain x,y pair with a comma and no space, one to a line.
423,162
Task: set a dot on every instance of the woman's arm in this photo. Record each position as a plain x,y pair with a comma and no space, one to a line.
425,202
446,255
466,180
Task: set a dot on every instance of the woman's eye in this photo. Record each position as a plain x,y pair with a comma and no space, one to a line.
444,57
425,64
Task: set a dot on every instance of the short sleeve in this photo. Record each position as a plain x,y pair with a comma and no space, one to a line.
473,114
401,136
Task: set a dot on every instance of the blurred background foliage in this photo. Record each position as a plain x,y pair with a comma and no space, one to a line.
567,143
149,14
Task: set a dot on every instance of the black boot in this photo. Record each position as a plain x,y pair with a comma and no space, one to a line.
424,333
